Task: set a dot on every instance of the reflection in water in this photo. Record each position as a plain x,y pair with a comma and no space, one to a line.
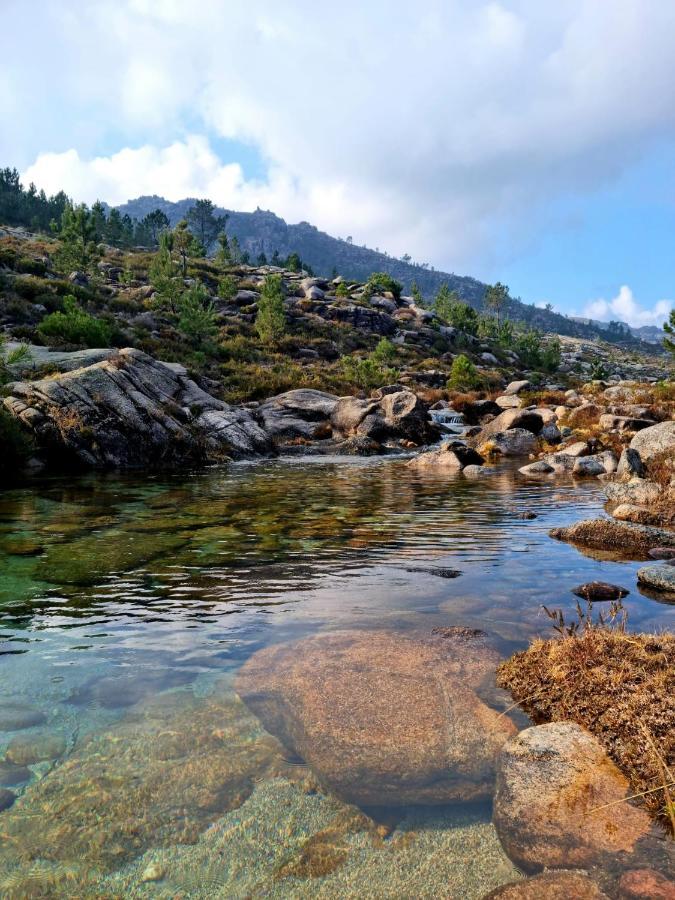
127,605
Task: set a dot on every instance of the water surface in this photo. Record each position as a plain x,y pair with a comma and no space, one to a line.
127,605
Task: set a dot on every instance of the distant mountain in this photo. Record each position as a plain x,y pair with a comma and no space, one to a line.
264,232
651,334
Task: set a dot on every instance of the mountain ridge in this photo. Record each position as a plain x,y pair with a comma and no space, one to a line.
263,231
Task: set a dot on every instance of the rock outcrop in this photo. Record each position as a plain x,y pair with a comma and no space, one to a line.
451,456
623,538
382,718
302,413
395,416
132,410
552,784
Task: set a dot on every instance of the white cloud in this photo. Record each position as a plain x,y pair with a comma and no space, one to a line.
625,308
429,128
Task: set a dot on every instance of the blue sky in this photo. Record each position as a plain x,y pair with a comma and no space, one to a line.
507,139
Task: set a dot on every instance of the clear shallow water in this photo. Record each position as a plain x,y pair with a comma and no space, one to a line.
127,605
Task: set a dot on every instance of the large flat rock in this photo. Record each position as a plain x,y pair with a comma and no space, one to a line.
381,718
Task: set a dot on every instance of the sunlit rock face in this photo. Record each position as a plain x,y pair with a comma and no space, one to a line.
557,800
382,719
131,410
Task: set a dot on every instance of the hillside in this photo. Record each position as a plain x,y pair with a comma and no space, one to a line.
264,232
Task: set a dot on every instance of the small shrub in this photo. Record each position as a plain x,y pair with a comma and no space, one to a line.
366,372
227,288
74,326
196,313
342,290
385,352
379,282
463,375
270,321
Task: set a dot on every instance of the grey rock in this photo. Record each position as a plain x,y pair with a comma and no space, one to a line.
541,467
588,467
515,387
655,440
132,410
661,578
637,491
630,463
298,413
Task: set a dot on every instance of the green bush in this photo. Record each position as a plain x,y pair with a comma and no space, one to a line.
74,326
366,372
196,313
227,288
463,375
29,287
551,355
382,281
29,266
270,321
342,290
385,352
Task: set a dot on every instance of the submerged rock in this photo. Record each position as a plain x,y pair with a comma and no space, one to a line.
7,799
16,717
646,884
552,782
380,718
551,886
131,410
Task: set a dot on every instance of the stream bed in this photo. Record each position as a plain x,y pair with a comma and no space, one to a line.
128,606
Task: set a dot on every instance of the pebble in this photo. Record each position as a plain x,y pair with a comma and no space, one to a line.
662,553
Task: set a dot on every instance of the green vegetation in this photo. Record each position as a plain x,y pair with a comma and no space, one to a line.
669,328
227,288
197,314
379,282
535,352
74,327
463,375
457,314
270,321
8,358
367,372
496,297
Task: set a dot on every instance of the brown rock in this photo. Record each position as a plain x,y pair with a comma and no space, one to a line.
646,884
551,782
598,591
550,886
623,538
382,718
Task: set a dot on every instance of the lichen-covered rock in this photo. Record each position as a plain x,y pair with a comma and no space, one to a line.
623,538
638,491
646,884
652,442
522,419
552,781
382,718
514,442
129,411
661,578
540,467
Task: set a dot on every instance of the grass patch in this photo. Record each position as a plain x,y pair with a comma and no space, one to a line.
616,684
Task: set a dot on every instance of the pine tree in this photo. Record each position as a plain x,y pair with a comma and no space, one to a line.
270,322
669,328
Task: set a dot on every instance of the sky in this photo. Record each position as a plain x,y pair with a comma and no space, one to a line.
514,140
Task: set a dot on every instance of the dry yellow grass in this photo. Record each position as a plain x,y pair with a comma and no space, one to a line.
620,686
